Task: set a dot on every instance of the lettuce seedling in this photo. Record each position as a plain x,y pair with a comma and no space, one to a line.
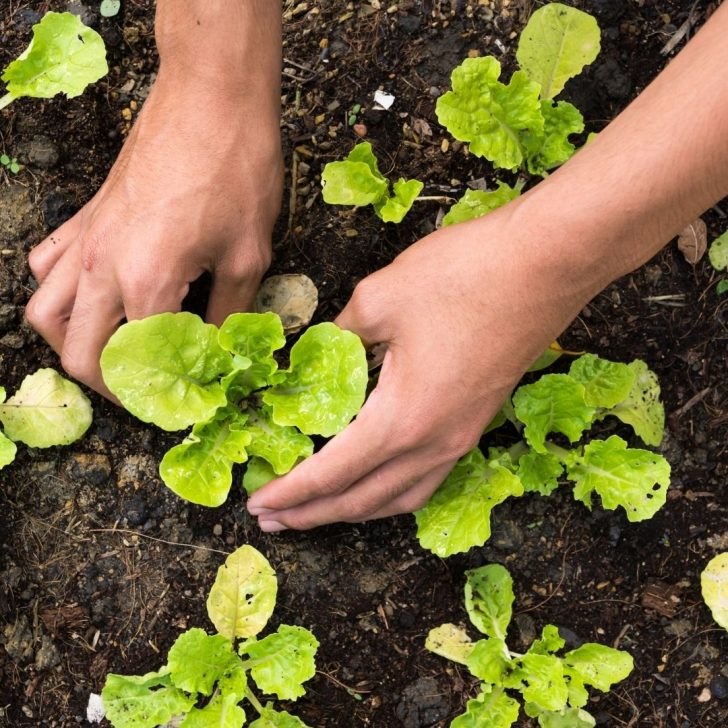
457,517
476,203
718,256
357,181
46,411
552,686
207,677
176,371
64,56
519,125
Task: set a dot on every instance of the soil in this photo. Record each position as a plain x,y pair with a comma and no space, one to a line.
101,566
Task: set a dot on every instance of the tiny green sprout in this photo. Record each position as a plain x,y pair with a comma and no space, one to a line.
353,113
11,164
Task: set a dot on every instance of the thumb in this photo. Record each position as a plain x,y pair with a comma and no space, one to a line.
363,314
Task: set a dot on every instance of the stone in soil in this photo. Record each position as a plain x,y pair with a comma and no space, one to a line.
422,704
40,152
16,213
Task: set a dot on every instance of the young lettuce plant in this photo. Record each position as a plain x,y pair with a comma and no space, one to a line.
519,125
176,371
457,517
206,677
46,411
64,56
552,686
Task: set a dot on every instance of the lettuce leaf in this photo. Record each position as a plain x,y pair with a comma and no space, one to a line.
552,147
451,642
551,641
566,718
257,473
540,679
476,203
489,660
270,718
221,712
492,710
489,599
355,180
539,472
8,450
714,587
598,665
718,252
606,383
394,208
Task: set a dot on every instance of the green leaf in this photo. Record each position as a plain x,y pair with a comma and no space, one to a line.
355,180
489,710
598,665
64,57
165,369
476,203
540,678
4,160
552,147
489,599
254,336
221,712
144,701
47,410
488,114
722,287
566,718
606,383
282,447
554,403
234,682
551,641
714,586
200,468
257,473
489,660
243,596
109,8
283,661
457,516
642,408
270,718
557,42
326,383
451,642
8,450
197,660
394,208
718,252
548,357
539,472
635,479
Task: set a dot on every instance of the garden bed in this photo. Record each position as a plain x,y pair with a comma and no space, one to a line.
101,566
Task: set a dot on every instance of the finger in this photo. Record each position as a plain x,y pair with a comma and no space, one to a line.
142,297
96,314
234,288
360,315
46,254
50,307
375,494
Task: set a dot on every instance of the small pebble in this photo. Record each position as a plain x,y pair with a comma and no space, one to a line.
217,529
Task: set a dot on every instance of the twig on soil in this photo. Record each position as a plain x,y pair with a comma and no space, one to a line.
691,402
681,32
349,690
676,300
434,198
159,540
293,199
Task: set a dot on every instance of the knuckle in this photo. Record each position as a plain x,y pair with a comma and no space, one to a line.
40,312
78,366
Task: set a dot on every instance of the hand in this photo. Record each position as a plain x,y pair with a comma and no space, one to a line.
462,319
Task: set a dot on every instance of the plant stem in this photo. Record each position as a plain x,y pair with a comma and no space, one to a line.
560,452
250,695
7,99
434,198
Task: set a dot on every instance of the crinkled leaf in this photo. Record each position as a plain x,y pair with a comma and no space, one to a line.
714,585
281,446
257,473
552,147
221,712
326,383
598,665
64,56
554,403
540,678
642,408
254,336
566,718
270,718
539,472
489,710
8,450
200,468
476,203
489,660
355,180
606,383
635,479
394,208
551,641
557,42
47,410
489,599
165,369
451,642
283,661
143,701
718,252
243,596
488,114
197,660
457,516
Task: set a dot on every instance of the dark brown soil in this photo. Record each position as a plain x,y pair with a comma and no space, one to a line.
101,566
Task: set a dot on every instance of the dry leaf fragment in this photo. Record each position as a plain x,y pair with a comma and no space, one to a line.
293,297
693,241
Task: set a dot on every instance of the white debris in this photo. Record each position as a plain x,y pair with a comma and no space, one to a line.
383,100
95,710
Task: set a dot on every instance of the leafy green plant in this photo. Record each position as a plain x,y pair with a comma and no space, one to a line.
176,371
552,686
718,256
714,586
457,517
519,125
46,411
357,181
207,677
10,163
64,56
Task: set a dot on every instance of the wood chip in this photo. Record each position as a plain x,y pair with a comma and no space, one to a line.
693,241
662,597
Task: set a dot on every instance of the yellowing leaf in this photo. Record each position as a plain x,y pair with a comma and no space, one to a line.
693,241
714,585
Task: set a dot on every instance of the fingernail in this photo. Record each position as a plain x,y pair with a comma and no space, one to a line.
271,526
259,510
